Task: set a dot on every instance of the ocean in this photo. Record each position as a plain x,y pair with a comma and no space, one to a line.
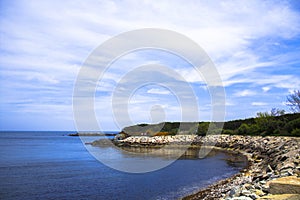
52,165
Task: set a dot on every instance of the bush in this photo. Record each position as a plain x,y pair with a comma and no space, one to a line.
292,125
296,132
243,129
202,128
228,132
253,129
214,131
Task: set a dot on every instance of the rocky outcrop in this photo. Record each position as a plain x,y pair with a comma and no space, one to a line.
155,140
269,158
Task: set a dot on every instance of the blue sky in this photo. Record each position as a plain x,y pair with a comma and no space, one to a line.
255,46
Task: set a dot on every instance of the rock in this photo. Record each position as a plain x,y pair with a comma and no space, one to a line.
286,172
144,140
103,143
259,193
248,186
246,193
287,166
234,192
265,188
281,197
241,198
269,169
285,185
297,172
257,186
121,136
253,196
273,176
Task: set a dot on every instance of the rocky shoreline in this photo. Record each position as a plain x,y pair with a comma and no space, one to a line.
273,171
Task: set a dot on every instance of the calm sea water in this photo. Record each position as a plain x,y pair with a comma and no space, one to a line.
52,165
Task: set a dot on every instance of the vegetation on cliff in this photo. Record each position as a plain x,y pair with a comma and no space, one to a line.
265,124
275,123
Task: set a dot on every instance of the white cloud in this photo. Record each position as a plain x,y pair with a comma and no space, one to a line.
266,88
44,45
158,91
259,104
245,93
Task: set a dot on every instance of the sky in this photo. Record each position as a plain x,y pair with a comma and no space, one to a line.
254,45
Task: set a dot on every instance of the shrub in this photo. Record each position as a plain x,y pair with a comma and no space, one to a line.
243,129
202,128
296,132
228,132
292,125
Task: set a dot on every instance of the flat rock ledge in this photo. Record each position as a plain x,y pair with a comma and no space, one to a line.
273,165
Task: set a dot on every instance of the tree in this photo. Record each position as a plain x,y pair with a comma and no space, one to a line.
273,113
266,122
293,101
244,129
202,128
277,112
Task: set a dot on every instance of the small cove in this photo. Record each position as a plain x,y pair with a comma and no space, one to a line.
50,165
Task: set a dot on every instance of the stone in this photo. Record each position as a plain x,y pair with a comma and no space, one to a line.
269,169
273,176
286,172
265,188
120,136
241,198
246,193
287,165
281,197
259,192
253,196
234,192
285,185
257,186
248,186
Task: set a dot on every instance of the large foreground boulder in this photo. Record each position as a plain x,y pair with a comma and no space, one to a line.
285,185
281,197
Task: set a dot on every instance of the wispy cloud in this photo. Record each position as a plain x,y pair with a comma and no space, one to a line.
244,93
157,91
259,104
266,88
254,45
